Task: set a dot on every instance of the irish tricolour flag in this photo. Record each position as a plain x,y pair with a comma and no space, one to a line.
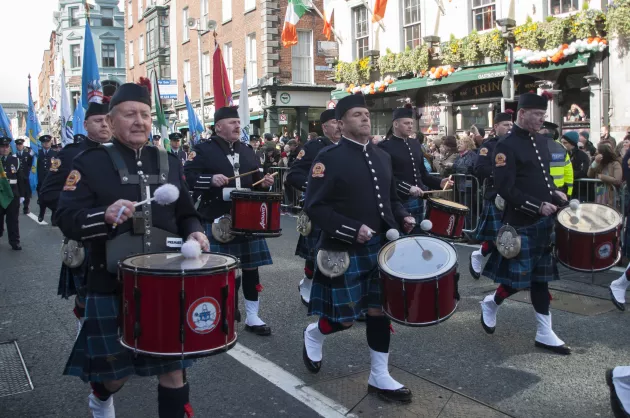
295,10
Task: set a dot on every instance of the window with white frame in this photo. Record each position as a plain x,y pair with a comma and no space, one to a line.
140,9
187,75
107,16
130,14
74,16
205,71
249,5
226,10
152,41
250,56
484,13
108,55
302,58
141,56
204,14
411,23
131,54
75,51
361,31
186,35
227,58
558,7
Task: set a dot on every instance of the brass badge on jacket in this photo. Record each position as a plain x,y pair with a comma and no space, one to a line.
55,163
499,160
318,170
71,182
483,151
300,155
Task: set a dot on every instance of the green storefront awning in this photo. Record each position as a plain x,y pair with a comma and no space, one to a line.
255,117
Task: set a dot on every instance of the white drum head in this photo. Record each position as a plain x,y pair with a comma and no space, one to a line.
417,258
590,218
175,262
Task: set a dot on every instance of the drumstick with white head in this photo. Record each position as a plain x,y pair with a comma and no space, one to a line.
164,195
426,226
574,205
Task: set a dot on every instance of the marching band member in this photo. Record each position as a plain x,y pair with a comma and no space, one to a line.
490,219
618,287
10,214
208,170
24,184
297,178
46,159
521,177
351,196
96,207
175,139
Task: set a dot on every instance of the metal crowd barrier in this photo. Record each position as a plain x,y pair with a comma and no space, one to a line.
290,197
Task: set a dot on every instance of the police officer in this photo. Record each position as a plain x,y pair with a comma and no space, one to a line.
214,162
10,213
157,141
46,160
26,162
175,139
351,196
99,193
560,166
490,220
522,178
298,179
412,177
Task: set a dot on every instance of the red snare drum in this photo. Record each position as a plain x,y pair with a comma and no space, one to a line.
420,278
588,239
256,213
178,307
447,217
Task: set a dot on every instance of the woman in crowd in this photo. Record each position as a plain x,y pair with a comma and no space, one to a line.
464,164
607,168
448,151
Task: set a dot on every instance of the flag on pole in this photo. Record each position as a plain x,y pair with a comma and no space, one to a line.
53,104
194,125
33,129
160,121
5,129
379,10
77,121
295,10
220,81
92,91
67,134
243,109
329,7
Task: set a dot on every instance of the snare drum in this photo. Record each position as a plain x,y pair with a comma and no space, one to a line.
447,217
256,213
588,239
177,307
419,278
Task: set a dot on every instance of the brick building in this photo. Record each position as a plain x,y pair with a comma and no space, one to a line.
45,82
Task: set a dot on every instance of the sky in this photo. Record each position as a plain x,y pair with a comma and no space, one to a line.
24,35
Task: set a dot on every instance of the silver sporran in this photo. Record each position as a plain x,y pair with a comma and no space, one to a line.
72,253
508,242
304,225
499,202
333,263
222,229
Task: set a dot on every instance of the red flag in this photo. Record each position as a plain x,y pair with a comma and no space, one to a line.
379,10
220,81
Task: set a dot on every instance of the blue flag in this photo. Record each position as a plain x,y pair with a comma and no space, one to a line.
33,129
5,128
77,121
194,126
92,91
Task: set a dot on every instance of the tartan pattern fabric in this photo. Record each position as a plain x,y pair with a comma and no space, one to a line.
73,281
489,222
307,245
252,252
98,356
345,298
415,207
535,262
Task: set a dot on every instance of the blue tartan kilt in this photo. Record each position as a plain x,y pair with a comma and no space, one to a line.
307,245
73,281
535,262
415,207
345,298
252,252
97,354
489,222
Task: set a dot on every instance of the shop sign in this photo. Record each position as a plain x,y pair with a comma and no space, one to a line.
481,89
429,117
327,49
285,98
331,104
168,89
283,119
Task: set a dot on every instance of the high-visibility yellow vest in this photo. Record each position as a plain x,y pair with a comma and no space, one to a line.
560,167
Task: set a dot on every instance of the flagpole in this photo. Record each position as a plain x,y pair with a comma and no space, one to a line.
366,3
339,38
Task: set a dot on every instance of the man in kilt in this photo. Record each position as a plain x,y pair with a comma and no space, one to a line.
618,287
351,197
521,177
95,207
72,281
411,176
298,179
490,219
209,172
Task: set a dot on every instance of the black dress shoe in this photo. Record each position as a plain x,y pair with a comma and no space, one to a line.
402,395
16,247
489,330
615,403
258,329
473,273
311,366
558,349
26,211
618,305
40,219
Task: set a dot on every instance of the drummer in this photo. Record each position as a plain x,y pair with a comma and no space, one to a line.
350,195
209,172
297,178
521,177
99,193
412,177
490,219
618,287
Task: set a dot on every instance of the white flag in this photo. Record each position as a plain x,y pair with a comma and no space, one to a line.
67,133
243,109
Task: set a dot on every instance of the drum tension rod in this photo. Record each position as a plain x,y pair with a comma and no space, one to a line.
224,297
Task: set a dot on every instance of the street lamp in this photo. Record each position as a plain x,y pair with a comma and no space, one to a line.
507,86
195,24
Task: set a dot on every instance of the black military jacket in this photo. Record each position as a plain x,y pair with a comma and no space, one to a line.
298,173
11,166
26,162
484,165
180,154
45,161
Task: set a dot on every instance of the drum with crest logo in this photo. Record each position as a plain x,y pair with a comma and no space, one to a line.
256,213
588,239
447,218
178,307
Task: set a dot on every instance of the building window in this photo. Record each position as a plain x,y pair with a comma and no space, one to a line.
227,57
302,58
74,16
151,36
186,35
187,75
204,15
75,52
130,54
141,49
140,9
108,55
250,5
205,71
361,33
558,7
411,23
165,38
250,56
226,10
130,14
107,18
484,14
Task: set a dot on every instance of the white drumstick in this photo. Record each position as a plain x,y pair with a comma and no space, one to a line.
164,195
392,235
191,249
426,225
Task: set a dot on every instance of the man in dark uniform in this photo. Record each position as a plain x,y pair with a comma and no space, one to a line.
351,197
618,287
215,161
490,220
10,214
46,159
72,281
157,141
298,179
412,178
175,139
522,178
24,184
98,194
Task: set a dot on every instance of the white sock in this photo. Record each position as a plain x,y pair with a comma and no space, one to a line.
544,333
489,309
251,307
102,409
619,287
379,372
314,342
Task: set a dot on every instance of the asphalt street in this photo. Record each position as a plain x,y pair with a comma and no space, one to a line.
454,368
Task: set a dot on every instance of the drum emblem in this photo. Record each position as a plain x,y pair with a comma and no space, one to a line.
604,251
204,315
451,225
263,216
